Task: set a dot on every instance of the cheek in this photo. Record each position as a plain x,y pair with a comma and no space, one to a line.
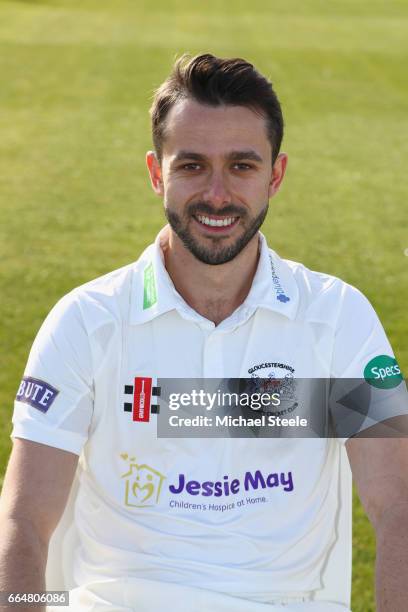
176,193
253,192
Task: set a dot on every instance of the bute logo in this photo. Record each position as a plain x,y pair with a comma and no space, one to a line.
141,407
36,393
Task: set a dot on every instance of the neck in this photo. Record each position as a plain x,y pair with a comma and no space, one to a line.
212,291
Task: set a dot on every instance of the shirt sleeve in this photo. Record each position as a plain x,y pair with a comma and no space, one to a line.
367,383
54,402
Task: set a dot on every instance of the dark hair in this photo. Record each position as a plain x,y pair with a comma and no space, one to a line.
214,81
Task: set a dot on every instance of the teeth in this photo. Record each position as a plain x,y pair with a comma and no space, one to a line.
216,222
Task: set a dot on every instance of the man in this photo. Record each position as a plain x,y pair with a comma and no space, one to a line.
163,520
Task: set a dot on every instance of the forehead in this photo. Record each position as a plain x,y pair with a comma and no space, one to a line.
214,129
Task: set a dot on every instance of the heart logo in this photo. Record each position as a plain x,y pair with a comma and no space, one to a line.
138,491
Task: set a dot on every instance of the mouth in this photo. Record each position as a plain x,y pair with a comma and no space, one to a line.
216,224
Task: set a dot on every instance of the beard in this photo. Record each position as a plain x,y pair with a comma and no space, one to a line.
216,254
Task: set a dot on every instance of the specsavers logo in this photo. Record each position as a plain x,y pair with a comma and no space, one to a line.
142,484
383,372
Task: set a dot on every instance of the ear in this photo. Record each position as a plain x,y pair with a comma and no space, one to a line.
278,172
155,172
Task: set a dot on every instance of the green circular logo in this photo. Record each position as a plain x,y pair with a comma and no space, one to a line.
383,372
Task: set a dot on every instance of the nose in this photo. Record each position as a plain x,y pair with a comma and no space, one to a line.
216,191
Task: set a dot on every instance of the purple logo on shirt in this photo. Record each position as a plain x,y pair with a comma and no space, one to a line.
252,480
36,393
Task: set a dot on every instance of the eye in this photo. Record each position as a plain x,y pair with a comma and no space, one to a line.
242,166
191,167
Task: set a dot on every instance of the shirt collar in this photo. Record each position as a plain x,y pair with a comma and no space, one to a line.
153,293
274,286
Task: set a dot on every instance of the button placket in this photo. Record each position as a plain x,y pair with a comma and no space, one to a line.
212,356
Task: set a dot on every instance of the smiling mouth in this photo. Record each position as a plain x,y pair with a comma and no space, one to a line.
216,222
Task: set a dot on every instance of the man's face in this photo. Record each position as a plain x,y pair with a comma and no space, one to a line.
216,177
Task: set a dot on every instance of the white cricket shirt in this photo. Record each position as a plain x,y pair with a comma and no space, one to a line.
136,513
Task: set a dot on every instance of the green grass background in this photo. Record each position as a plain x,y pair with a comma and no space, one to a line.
76,82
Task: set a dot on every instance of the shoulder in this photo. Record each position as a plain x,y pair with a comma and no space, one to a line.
104,293
326,298
102,301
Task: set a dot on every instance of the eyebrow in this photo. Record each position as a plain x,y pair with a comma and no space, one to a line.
250,154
